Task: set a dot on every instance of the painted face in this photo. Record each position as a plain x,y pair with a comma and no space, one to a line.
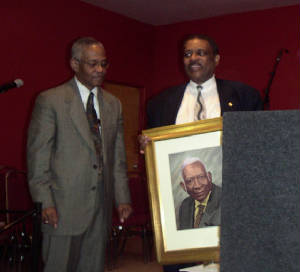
92,66
199,60
197,182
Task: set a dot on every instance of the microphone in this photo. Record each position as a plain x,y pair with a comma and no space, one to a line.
285,50
280,53
15,84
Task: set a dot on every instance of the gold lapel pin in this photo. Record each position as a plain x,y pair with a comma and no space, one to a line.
230,104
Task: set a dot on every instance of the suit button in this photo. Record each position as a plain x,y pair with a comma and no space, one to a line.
93,188
95,166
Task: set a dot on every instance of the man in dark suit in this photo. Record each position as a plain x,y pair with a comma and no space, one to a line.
203,97
76,163
202,207
176,104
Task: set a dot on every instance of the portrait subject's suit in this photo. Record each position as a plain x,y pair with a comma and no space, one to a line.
234,96
211,215
63,170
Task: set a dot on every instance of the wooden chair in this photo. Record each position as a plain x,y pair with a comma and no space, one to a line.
3,195
15,241
15,190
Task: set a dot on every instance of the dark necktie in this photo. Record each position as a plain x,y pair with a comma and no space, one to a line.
199,107
199,212
95,124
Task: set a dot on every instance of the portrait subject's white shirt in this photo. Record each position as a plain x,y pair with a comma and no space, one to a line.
211,100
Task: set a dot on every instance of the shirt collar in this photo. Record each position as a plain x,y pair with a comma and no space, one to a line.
204,202
84,89
208,83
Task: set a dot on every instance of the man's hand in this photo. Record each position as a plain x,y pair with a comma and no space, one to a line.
143,140
49,216
124,210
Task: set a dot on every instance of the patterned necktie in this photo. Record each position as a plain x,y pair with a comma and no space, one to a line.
199,212
199,107
95,124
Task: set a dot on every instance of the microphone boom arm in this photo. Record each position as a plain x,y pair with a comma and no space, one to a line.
272,75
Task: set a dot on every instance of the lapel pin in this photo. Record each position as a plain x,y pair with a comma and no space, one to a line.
230,104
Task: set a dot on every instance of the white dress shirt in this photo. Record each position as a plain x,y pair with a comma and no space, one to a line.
84,94
211,101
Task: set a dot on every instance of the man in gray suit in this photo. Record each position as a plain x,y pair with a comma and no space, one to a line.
77,168
202,208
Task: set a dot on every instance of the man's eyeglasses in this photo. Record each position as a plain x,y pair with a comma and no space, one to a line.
195,178
198,52
94,64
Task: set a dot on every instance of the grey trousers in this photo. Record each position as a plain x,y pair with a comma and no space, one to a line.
82,253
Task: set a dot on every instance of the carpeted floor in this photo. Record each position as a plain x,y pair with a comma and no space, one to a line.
132,259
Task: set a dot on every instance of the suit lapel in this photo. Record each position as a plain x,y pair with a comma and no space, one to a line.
190,213
78,114
211,207
106,116
227,96
172,105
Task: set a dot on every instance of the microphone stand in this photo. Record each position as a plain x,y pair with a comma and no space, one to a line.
266,101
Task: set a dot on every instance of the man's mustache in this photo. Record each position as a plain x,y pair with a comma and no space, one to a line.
194,62
200,189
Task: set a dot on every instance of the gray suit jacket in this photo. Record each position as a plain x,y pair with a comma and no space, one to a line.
211,216
62,161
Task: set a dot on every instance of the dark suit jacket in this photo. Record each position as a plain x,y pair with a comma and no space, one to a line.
211,216
162,109
62,160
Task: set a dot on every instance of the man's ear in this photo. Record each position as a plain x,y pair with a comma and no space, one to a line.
217,59
74,65
209,175
182,184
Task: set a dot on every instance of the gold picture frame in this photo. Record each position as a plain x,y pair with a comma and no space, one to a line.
174,245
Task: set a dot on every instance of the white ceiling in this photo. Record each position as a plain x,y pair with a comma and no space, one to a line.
163,12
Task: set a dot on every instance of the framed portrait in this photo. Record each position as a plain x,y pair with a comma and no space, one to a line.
172,186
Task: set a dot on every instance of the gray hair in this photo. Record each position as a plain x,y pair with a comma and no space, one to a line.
188,161
78,46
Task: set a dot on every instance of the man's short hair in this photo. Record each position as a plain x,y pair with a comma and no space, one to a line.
211,42
188,161
79,44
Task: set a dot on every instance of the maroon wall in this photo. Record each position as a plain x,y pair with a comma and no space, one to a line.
34,46
35,41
